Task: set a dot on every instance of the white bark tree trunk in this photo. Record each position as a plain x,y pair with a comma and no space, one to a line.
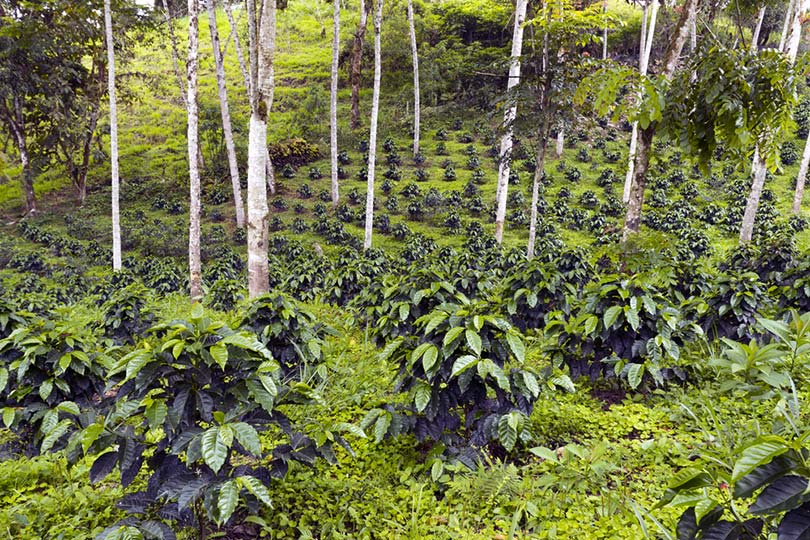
791,49
786,25
757,28
177,72
647,31
116,226
508,120
375,111
194,263
417,109
604,31
271,184
262,51
333,134
227,130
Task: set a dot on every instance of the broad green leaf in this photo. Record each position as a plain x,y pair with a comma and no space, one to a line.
91,434
463,363
156,413
430,358
69,407
45,389
248,437
257,488
590,324
53,436
3,378
452,335
227,500
421,396
762,475
474,341
357,431
8,416
507,433
611,314
758,454
517,346
632,317
219,352
136,361
389,350
689,478
214,449
531,383
635,374
381,426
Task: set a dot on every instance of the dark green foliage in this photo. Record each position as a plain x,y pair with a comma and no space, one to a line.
50,369
207,454
463,367
126,316
622,319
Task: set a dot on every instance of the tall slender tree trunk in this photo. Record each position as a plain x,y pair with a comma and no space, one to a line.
225,112
677,41
798,194
791,49
786,25
375,111
194,210
333,104
16,123
605,31
417,108
271,183
540,159
509,119
757,29
648,32
357,63
262,50
177,72
116,220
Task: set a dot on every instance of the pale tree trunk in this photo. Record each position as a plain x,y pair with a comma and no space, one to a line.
177,73
505,155
791,49
194,207
605,31
375,111
679,37
333,104
798,195
786,25
116,223
757,28
417,110
16,123
357,63
262,51
540,158
224,108
271,184
648,32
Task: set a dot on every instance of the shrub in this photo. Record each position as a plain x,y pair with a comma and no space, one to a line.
294,152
